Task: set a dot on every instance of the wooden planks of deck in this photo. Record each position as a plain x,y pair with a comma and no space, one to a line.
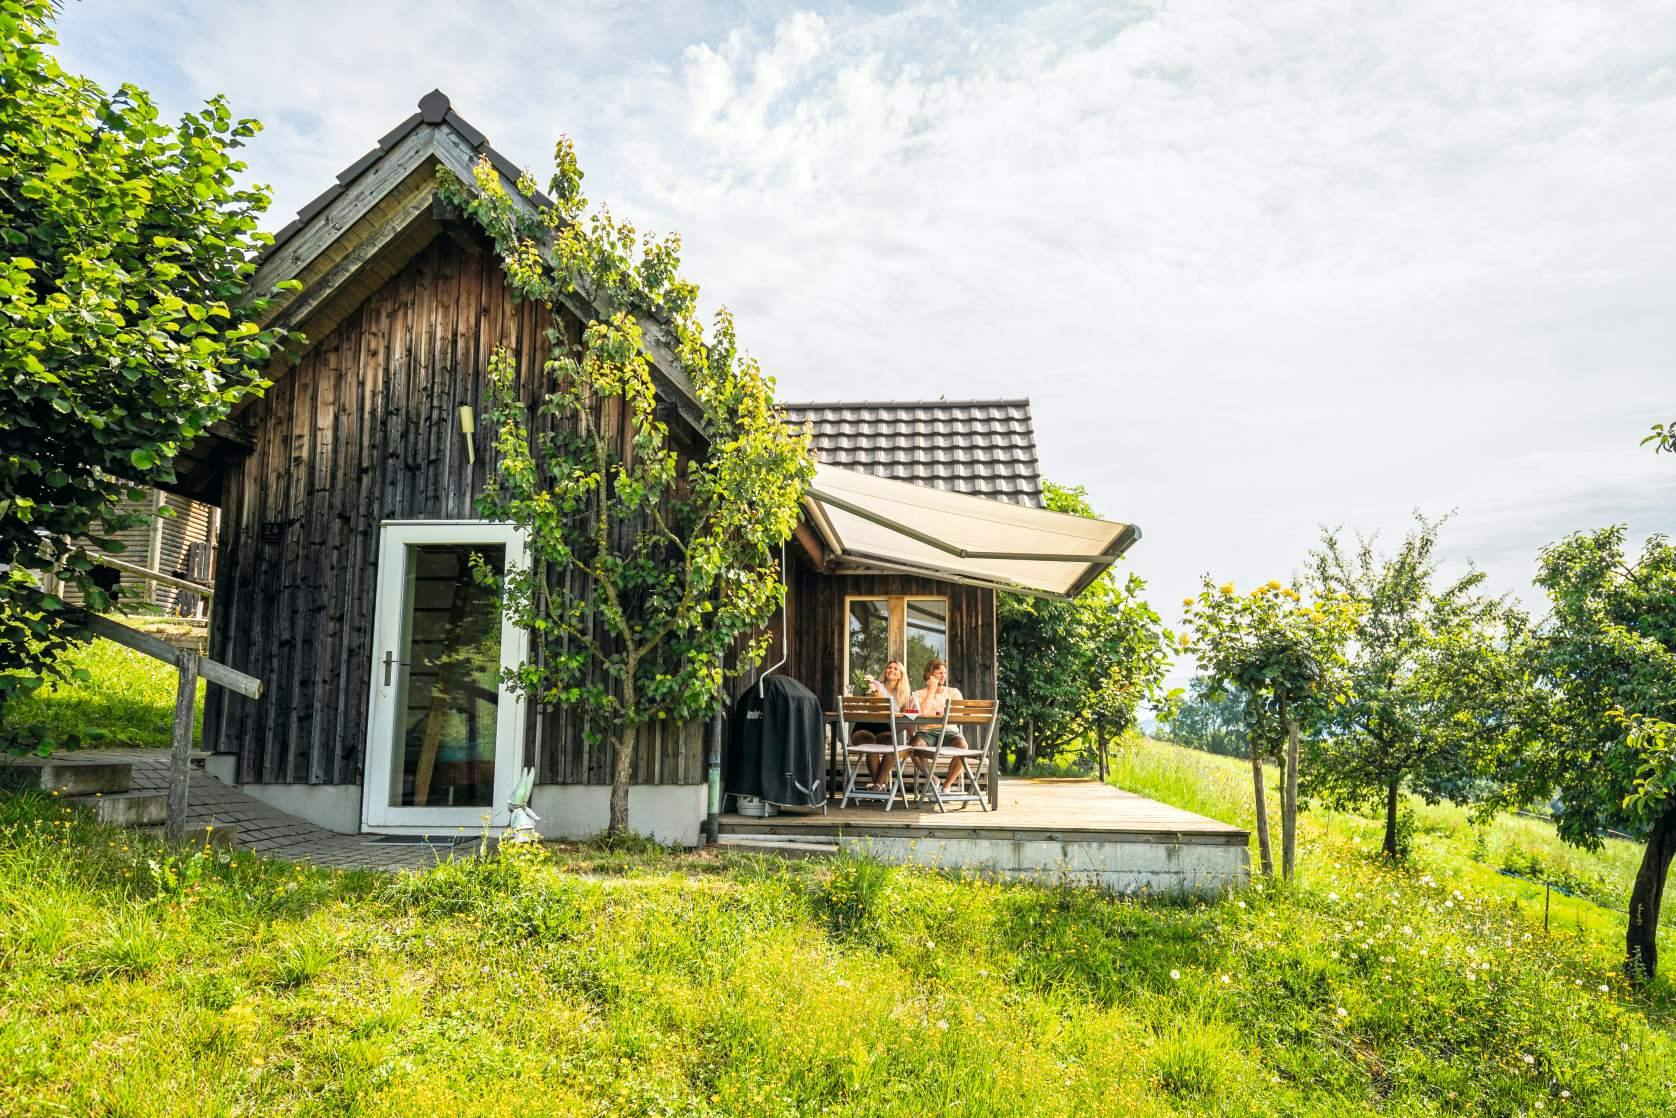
1060,809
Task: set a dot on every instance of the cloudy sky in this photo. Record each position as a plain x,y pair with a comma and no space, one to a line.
1258,267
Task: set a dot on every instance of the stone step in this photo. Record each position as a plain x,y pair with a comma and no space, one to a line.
67,778
126,809
777,845
222,834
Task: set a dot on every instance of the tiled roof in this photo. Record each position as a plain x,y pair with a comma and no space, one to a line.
983,447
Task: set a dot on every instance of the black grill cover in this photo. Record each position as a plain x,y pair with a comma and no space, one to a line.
777,744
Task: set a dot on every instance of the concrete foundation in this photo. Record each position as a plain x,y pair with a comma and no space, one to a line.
336,807
1118,866
668,813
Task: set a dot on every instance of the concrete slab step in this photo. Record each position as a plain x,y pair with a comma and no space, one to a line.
68,778
126,809
783,847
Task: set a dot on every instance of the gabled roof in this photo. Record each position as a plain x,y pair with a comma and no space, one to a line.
985,448
434,109
382,211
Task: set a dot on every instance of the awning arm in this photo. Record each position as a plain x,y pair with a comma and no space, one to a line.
1125,538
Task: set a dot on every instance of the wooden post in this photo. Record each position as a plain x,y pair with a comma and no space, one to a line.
180,753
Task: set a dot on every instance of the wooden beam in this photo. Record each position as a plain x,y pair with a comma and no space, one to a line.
812,546
152,576
180,745
146,644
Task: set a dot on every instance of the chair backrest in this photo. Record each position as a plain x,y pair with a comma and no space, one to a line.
968,709
974,708
865,708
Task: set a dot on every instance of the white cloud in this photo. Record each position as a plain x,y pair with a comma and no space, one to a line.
1260,266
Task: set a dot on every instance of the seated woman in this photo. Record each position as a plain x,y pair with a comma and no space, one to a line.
933,700
893,685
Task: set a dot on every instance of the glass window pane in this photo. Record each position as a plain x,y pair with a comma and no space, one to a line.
928,630
449,688
869,650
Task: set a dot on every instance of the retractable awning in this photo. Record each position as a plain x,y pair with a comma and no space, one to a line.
887,525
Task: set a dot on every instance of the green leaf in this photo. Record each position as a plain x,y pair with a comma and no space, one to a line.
142,458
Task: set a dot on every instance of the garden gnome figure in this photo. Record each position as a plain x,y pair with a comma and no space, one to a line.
522,821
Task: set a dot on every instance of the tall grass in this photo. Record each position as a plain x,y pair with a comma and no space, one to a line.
138,979
127,698
1445,835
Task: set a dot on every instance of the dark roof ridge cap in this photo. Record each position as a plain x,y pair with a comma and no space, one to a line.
436,111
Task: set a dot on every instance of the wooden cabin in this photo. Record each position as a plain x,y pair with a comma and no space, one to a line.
346,497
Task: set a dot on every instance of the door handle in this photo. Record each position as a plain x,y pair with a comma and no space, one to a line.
390,661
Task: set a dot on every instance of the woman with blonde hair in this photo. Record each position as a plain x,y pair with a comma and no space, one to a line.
894,686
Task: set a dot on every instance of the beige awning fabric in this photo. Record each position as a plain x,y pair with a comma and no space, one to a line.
887,525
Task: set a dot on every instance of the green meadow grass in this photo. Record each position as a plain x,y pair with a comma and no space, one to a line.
128,698
1445,837
141,980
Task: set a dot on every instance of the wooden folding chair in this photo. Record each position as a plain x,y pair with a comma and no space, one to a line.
956,720
870,708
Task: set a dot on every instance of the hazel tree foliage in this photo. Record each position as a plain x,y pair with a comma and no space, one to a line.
126,243
655,571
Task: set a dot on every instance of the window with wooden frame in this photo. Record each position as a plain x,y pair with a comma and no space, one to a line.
911,628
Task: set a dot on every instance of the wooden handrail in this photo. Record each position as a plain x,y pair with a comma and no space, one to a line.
214,671
116,564
190,665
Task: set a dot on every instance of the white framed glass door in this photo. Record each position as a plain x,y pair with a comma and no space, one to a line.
444,733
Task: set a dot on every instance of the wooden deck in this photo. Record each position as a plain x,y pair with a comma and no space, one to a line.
1054,810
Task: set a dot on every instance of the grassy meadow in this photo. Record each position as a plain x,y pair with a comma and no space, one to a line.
139,980
127,697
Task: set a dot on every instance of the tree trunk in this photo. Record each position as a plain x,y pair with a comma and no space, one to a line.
621,762
1265,855
1391,818
1102,740
1642,958
1029,747
1289,804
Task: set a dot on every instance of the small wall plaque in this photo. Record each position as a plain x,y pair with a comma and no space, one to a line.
273,531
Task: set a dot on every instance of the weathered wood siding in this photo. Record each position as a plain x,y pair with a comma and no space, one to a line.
182,545
818,624
362,431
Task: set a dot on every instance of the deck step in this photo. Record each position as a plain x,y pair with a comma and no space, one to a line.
780,845
67,778
126,809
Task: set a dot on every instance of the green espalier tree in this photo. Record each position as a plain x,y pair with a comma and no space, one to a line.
125,244
1606,657
653,573
1287,656
1432,681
